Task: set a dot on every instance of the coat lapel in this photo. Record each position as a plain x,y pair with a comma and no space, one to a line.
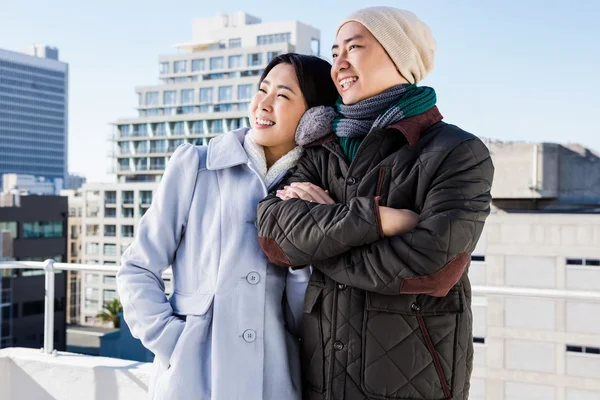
227,151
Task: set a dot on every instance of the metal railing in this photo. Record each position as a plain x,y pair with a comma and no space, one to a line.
50,267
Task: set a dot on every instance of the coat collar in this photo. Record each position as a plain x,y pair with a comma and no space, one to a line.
412,128
227,150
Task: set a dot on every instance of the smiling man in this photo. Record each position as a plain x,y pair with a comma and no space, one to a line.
387,313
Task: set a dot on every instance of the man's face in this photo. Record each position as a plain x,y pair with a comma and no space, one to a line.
361,67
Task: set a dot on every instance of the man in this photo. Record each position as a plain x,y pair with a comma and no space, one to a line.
388,308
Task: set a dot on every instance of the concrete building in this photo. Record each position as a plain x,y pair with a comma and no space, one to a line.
110,215
32,229
34,113
205,89
74,253
29,184
544,232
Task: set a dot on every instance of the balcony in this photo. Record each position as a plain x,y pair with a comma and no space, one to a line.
28,374
31,374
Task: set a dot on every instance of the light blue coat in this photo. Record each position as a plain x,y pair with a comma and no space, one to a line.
235,342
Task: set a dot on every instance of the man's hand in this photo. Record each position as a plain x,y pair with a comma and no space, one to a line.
397,222
305,191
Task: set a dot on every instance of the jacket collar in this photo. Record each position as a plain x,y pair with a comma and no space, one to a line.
227,150
412,128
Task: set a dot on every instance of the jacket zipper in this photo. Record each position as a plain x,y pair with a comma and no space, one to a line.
435,357
329,382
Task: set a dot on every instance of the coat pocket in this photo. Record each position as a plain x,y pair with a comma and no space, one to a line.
313,365
409,345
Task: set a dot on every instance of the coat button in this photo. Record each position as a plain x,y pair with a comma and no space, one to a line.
351,180
341,286
415,307
338,345
249,335
253,278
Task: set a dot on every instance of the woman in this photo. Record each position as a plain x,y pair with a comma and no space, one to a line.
225,332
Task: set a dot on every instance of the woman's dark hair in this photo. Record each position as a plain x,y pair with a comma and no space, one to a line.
313,75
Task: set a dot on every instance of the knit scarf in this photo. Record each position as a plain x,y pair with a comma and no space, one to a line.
355,121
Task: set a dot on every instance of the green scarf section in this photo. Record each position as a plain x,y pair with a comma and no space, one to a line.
355,121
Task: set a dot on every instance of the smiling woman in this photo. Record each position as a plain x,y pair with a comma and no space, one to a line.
290,85
217,327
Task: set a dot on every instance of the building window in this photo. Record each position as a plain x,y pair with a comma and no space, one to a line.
158,146
225,93
478,258
179,66
235,61
217,63
206,95
110,249
235,43
110,230
127,212
110,280
108,295
179,128
92,249
197,127
91,293
127,197
588,262
274,38
583,349
92,278
44,229
164,68
110,197
216,126
479,340
254,59
9,227
160,129
198,64
151,99
169,97
187,96
127,231
245,91
110,212
146,196
272,54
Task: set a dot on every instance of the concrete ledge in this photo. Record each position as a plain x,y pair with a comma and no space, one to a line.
28,374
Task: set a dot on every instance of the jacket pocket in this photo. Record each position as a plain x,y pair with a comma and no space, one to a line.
313,365
409,345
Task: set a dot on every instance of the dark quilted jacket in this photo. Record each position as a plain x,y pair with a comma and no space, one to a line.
386,317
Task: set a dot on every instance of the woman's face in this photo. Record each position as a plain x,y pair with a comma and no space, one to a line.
276,109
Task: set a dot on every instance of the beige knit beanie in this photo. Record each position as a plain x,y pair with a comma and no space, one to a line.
408,40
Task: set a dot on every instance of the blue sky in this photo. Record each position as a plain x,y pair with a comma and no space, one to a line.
508,70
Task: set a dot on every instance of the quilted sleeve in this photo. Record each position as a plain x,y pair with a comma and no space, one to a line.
296,232
432,258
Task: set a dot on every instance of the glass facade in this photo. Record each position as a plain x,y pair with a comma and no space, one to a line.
33,117
245,91
254,59
235,61
225,93
42,229
198,64
217,63
274,38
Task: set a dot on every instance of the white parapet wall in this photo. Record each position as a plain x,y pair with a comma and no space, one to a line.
28,374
